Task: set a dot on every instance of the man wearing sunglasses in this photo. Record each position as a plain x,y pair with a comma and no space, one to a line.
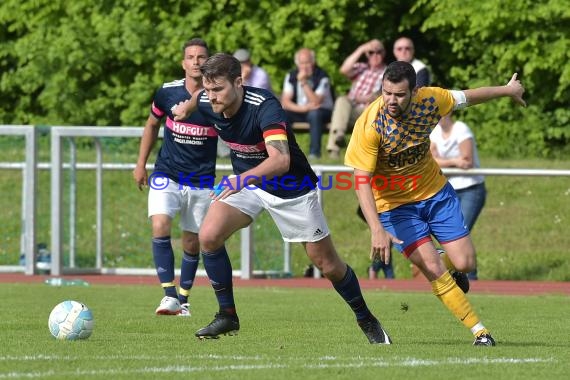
366,78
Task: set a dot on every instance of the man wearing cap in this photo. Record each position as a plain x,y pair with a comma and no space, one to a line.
252,75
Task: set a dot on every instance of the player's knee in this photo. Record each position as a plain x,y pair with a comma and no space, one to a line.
336,272
209,241
467,264
192,246
160,227
332,267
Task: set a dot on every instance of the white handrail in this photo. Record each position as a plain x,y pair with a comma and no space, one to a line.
29,188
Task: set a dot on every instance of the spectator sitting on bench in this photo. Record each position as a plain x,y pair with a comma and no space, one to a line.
308,97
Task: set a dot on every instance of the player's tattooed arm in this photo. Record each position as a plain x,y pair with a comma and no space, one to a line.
277,162
281,145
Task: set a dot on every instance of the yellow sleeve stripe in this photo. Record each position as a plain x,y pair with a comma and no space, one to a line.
279,137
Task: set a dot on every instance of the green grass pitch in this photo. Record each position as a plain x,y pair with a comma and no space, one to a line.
285,334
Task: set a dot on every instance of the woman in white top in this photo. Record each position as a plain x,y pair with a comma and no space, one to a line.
453,145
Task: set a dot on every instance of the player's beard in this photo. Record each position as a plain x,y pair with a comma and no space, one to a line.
395,110
219,107
227,106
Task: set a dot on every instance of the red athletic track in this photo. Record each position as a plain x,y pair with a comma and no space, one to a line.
416,285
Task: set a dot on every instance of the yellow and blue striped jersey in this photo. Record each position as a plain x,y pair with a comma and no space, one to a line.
397,150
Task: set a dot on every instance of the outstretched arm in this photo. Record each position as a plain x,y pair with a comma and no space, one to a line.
513,89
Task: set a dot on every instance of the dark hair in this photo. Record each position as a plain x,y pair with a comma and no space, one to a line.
221,65
195,42
398,71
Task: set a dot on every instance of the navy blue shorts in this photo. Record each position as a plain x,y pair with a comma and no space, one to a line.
415,223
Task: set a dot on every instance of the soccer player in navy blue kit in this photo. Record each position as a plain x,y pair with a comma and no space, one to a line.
272,174
186,157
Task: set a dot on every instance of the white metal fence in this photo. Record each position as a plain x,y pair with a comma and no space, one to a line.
56,165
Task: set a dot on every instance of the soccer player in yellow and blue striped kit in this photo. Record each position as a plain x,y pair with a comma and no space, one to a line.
391,141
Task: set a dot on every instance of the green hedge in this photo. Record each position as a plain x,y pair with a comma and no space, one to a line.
98,63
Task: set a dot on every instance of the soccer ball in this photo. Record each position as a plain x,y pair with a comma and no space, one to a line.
71,320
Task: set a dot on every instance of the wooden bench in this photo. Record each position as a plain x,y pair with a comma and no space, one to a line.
304,127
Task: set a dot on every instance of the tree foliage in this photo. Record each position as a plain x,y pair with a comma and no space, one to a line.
484,43
99,62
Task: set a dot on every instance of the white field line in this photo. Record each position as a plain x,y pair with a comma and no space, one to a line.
324,363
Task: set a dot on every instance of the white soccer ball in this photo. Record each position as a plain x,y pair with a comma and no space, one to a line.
71,320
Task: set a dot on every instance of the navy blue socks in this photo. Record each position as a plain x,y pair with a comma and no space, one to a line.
219,270
349,290
187,275
164,264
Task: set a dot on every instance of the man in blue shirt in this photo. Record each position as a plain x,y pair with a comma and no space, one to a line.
188,153
271,174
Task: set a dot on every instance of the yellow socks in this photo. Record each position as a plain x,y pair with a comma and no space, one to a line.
454,299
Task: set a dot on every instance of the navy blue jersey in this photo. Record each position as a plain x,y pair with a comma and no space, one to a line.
188,151
243,133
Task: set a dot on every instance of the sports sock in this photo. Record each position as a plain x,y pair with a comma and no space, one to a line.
164,264
219,269
479,329
187,275
349,290
455,300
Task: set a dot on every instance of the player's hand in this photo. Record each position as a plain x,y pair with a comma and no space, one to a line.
140,176
226,187
180,112
381,245
517,90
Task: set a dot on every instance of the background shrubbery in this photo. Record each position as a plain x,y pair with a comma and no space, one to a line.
98,63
